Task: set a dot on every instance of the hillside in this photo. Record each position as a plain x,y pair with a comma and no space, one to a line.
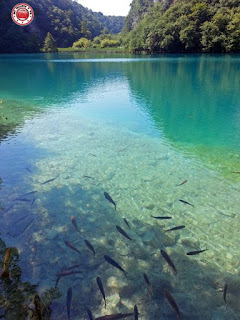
66,20
183,26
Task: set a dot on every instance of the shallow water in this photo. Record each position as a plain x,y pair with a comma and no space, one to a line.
135,127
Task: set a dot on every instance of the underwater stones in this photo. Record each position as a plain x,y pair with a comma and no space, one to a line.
190,242
149,206
52,234
116,283
148,237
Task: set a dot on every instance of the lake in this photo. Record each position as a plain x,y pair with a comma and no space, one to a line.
148,131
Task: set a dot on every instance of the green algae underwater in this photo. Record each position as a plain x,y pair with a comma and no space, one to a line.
148,131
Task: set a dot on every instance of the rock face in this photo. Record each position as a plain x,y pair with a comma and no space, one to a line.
138,9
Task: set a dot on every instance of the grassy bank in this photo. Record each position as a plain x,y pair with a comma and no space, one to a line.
95,50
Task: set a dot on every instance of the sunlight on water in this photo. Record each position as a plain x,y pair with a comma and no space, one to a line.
137,131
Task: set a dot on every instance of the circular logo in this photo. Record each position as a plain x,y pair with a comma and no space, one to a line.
22,14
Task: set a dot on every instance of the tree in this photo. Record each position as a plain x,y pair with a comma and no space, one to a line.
50,43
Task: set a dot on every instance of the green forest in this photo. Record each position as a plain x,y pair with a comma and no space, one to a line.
66,20
152,26
183,26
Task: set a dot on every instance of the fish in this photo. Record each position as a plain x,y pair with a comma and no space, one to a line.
74,222
120,230
115,316
168,260
100,286
192,253
65,273
178,185
89,245
37,303
69,301
172,302
183,201
50,180
114,263
148,283
225,289
109,198
72,267
88,177
125,220
175,228
33,202
91,154
26,194
23,199
136,313
28,170
236,172
162,218
69,245
89,313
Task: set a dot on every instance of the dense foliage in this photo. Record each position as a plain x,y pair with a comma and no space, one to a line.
50,44
185,26
66,20
102,41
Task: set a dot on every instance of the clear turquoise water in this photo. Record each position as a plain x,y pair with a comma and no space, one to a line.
138,126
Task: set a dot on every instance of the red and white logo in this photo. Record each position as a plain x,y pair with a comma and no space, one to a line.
22,14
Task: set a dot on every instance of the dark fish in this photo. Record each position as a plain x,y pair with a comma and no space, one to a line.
74,222
32,203
108,197
115,316
183,201
148,283
172,302
88,177
178,185
23,200
69,245
175,228
91,154
114,263
162,218
89,313
50,180
37,303
236,172
5,211
168,260
89,245
120,230
125,220
100,286
27,194
72,267
192,253
69,300
65,273
136,313
225,289
28,170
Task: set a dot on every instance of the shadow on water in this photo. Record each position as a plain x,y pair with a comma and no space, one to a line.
197,286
